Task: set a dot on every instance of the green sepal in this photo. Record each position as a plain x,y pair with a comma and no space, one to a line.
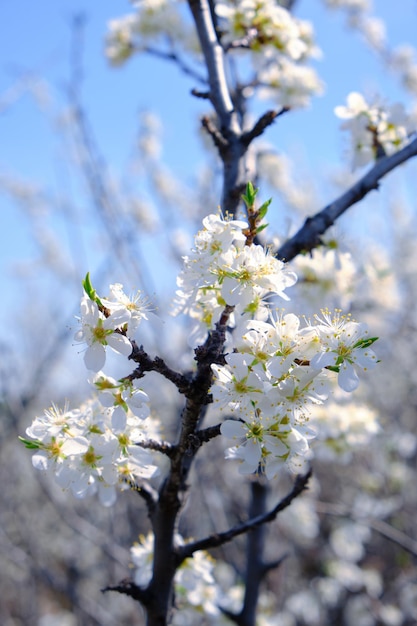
333,368
90,291
365,343
31,445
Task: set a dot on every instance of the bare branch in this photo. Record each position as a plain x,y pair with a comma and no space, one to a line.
147,364
158,446
203,95
262,124
128,588
308,237
179,61
218,139
208,433
218,539
383,528
214,58
146,493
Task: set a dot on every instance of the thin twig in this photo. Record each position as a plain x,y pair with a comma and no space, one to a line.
157,446
262,124
218,539
383,528
175,58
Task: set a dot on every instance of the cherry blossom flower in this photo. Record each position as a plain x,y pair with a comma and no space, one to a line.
345,346
376,130
134,307
98,331
122,396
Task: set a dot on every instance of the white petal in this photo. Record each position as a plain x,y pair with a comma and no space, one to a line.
40,460
75,445
118,420
347,379
120,343
323,359
117,319
232,429
95,357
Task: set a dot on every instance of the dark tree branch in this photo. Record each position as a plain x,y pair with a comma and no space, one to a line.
147,364
128,588
208,433
308,237
145,492
158,596
261,125
218,539
255,570
158,446
203,95
218,139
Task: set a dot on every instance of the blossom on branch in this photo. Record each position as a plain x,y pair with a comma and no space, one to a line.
86,454
376,130
98,331
222,271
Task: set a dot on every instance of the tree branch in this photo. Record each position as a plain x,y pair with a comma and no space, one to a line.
264,121
158,446
173,56
210,127
383,528
214,58
208,433
146,364
218,539
308,237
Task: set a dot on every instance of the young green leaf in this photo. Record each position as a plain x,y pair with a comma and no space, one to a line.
89,289
31,445
250,195
263,209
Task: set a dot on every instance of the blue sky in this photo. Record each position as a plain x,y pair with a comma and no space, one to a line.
36,40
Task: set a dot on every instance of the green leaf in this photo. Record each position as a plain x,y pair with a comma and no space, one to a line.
89,290
264,208
250,195
261,228
31,445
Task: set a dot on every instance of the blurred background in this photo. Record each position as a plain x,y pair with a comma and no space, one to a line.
105,169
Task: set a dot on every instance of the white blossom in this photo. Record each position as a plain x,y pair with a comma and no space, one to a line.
98,331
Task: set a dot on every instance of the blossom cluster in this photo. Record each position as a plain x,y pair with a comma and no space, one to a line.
152,19
280,43
276,368
375,130
277,372
223,270
97,447
90,449
107,322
